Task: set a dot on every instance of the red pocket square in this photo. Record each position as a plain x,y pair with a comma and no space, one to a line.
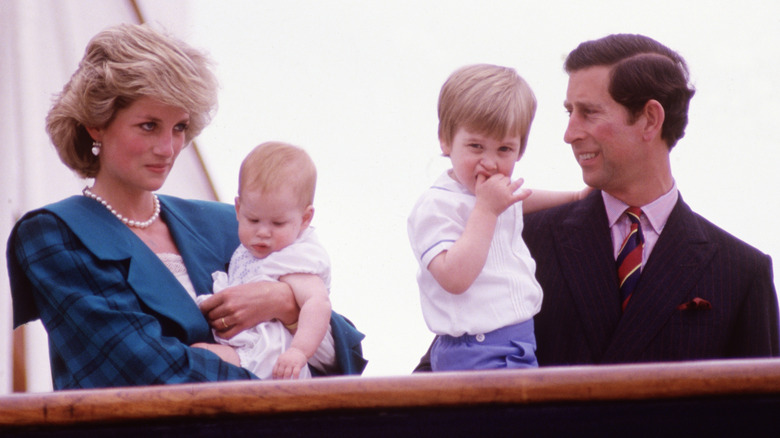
695,304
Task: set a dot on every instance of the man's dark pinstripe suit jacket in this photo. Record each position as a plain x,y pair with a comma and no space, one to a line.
702,294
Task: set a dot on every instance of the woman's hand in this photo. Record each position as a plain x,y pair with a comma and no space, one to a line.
238,308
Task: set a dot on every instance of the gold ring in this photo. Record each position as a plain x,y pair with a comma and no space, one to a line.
223,322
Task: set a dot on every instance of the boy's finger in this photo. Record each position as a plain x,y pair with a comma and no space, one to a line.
522,194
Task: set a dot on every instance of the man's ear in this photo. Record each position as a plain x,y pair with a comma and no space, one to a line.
308,215
654,116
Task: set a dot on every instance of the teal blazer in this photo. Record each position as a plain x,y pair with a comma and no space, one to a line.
115,315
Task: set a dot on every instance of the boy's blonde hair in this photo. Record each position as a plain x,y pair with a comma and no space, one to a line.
489,99
274,165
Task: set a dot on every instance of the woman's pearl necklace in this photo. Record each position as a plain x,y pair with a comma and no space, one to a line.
129,222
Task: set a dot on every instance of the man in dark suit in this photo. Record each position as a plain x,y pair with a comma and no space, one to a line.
698,292
687,290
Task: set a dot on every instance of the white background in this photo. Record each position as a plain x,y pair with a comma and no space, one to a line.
356,84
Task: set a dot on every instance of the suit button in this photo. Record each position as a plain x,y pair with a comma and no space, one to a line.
480,337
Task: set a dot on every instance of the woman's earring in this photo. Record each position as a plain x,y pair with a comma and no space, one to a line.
96,145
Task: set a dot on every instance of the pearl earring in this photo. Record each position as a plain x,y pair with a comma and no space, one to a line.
96,145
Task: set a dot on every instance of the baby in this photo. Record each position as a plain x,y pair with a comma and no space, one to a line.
274,207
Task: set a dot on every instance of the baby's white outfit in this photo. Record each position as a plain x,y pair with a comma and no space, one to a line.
259,347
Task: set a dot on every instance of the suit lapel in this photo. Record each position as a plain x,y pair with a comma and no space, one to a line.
153,283
674,267
584,248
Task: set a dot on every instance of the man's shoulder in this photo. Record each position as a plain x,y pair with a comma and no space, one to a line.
719,236
555,215
553,212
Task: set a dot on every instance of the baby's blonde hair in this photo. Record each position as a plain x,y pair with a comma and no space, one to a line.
273,165
488,99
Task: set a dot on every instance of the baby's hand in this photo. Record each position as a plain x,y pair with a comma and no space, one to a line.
289,364
497,193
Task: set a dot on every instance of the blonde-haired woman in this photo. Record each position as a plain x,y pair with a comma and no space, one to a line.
113,272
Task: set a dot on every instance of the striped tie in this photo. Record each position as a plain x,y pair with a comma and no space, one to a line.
629,260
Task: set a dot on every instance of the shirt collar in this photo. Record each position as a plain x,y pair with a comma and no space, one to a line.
447,182
656,212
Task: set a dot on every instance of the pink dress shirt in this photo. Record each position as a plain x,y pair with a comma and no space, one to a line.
653,220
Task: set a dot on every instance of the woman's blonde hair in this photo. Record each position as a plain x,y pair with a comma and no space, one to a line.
120,65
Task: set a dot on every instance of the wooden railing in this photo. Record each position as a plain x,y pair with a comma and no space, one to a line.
714,397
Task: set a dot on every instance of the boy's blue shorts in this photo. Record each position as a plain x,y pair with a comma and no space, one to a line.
513,346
